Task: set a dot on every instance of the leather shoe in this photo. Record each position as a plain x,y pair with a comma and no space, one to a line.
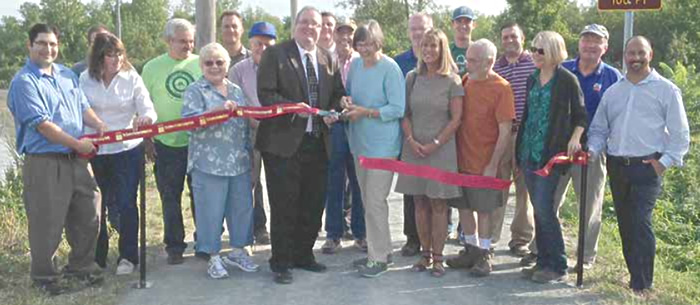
175,259
411,248
313,267
284,277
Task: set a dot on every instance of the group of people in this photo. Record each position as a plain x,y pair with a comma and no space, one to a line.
455,106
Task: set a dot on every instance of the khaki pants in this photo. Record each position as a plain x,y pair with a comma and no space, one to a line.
523,226
594,202
60,193
375,186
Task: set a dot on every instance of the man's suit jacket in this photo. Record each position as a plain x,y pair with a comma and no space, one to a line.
282,79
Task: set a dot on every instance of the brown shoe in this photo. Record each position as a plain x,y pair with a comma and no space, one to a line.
529,260
519,250
546,276
529,271
482,267
466,258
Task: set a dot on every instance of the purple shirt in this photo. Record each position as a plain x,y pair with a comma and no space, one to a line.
244,74
516,74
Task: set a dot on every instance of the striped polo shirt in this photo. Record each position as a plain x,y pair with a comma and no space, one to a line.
516,74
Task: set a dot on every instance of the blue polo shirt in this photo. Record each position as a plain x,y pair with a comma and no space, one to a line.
593,85
36,97
407,61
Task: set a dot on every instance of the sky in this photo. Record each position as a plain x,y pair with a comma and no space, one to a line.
281,7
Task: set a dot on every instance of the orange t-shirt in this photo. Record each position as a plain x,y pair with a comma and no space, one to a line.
486,103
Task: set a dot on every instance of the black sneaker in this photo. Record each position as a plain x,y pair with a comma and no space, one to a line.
262,238
52,288
175,259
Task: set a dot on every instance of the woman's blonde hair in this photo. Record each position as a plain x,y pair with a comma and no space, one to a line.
553,45
447,65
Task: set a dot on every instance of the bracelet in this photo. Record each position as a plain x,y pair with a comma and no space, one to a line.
436,141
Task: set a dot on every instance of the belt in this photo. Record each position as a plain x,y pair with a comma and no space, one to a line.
627,161
67,156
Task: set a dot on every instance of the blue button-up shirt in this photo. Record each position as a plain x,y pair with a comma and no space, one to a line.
36,97
407,61
635,120
222,149
594,84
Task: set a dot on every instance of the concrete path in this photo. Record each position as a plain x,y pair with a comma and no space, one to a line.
189,283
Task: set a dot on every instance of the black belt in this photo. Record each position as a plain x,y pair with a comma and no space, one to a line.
67,156
627,161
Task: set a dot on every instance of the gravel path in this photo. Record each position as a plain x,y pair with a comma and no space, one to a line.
189,283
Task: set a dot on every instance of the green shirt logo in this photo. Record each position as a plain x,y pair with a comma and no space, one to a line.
177,82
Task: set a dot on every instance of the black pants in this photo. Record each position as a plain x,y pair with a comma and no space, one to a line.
409,220
259,217
171,173
296,187
635,188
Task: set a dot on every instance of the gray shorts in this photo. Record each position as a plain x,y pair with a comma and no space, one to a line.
480,200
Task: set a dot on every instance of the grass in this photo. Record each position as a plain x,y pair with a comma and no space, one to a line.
609,275
15,285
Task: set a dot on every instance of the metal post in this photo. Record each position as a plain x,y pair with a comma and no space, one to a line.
581,223
118,25
205,22
142,283
629,32
293,5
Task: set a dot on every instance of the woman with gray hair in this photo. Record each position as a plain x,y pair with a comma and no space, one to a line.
375,107
553,122
219,160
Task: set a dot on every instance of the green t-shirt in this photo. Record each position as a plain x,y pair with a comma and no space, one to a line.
459,55
166,80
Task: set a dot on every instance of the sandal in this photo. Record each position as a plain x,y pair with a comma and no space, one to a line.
438,269
423,263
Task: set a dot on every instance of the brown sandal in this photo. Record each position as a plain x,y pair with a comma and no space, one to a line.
423,263
438,269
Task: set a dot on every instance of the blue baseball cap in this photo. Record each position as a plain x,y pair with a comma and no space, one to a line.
463,11
263,28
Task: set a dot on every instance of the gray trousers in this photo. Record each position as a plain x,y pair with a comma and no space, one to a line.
60,193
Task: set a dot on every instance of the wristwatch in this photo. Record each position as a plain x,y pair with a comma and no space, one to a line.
436,141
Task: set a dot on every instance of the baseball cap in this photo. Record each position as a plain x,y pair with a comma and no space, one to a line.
596,29
263,28
463,11
345,22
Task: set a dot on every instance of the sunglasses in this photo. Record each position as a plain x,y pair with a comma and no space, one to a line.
210,63
537,50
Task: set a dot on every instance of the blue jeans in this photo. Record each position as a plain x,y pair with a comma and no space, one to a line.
218,198
551,254
117,175
170,169
341,162
635,188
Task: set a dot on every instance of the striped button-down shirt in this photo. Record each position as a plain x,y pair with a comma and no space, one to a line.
516,74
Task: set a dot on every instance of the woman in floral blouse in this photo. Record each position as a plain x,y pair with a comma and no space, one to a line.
219,162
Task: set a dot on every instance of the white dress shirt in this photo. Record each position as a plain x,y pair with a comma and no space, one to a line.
303,52
118,104
636,120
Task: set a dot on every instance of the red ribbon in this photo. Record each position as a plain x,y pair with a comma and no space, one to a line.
562,158
199,121
431,173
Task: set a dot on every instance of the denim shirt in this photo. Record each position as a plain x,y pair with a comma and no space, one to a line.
223,149
36,97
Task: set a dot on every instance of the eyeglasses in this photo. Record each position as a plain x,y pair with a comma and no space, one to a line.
537,50
219,63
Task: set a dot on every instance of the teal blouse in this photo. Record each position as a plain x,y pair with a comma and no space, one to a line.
537,125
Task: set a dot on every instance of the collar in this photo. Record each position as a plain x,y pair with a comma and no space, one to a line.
34,68
598,69
303,51
524,57
653,76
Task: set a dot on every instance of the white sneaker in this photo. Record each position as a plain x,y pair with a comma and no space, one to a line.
125,267
241,261
216,268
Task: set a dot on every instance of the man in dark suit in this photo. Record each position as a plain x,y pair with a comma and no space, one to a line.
294,147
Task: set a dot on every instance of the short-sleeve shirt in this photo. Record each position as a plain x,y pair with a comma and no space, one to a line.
222,149
487,103
407,61
594,84
517,74
459,55
36,97
166,80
